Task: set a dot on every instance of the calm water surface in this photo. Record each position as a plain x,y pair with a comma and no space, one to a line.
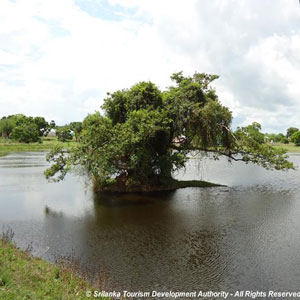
244,236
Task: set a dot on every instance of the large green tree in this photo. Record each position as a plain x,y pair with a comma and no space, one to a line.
295,138
30,129
26,133
42,125
145,135
76,127
290,131
6,127
23,128
7,124
64,133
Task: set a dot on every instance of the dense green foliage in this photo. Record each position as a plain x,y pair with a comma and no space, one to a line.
64,133
7,124
285,140
275,137
146,134
24,129
290,131
295,138
76,127
26,133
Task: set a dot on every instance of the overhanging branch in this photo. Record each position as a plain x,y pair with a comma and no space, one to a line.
229,154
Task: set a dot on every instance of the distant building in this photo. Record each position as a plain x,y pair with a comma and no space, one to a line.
52,133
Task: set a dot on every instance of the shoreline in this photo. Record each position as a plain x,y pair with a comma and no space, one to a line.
25,276
8,146
174,185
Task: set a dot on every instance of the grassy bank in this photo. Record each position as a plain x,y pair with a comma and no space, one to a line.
25,277
290,148
7,146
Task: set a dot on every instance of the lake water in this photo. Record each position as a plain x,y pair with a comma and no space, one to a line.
242,237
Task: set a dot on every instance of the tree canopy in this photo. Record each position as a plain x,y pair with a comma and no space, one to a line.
290,131
295,138
146,134
7,124
24,129
76,127
64,133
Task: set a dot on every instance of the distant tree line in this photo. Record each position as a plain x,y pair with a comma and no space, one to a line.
67,132
31,129
27,129
292,135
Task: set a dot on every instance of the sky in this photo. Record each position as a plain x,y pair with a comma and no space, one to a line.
58,59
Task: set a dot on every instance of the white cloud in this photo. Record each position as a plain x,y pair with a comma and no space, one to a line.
279,57
58,59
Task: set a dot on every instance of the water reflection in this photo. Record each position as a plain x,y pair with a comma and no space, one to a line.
245,236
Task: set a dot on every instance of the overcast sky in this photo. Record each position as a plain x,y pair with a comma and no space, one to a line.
58,58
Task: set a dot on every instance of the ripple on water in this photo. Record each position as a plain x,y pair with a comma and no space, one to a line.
244,236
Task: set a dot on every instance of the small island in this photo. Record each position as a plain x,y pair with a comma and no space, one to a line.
145,135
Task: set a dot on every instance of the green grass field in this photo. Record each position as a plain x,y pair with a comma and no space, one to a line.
290,148
7,146
25,277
